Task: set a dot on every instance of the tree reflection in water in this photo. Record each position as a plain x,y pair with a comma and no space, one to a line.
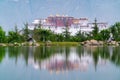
2,53
63,58
115,58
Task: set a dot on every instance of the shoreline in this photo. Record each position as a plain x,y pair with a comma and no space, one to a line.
85,43
42,44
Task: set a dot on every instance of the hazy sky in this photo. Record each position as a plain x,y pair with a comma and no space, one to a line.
19,11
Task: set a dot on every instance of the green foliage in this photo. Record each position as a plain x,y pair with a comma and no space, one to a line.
14,36
59,37
2,35
115,30
42,34
26,32
104,34
95,31
80,36
66,34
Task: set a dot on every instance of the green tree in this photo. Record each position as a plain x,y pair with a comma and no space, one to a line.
59,37
14,36
66,34
95,30
2,35
80,36
104,34
115,30
26,32
42,34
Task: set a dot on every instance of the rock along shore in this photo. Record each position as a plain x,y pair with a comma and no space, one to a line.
98,43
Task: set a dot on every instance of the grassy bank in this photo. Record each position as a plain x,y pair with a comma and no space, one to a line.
63,44
86,43
42,44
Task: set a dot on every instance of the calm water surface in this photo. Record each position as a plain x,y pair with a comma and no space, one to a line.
60,63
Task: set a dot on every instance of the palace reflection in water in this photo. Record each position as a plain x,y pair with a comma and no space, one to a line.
61,59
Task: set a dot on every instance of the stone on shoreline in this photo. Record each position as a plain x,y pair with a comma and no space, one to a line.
113,43
98,43
2,44
91,43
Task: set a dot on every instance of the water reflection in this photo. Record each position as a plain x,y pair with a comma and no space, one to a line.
115,58
60,59
2,53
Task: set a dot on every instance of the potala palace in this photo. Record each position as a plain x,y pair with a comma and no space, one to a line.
58,23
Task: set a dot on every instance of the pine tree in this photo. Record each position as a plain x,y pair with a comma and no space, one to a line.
95,30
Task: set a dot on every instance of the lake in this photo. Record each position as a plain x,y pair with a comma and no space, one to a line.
60,63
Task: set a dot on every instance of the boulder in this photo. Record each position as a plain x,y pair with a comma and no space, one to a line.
94,42
85,42
2,44
113,42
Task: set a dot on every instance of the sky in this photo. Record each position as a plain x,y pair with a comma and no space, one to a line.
17,12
